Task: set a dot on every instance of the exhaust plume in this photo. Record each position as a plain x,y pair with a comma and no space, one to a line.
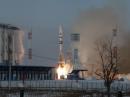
19,49
97,23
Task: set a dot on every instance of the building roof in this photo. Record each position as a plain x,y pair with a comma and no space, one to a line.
25,68
8,26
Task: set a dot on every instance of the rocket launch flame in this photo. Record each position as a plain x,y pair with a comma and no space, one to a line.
63,71
61,61
63,68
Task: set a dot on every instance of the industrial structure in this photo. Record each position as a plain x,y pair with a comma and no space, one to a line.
73,61
30,47
25,73
11,50
11,46
77,67
41,81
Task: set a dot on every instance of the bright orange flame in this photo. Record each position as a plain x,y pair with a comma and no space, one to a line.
61,72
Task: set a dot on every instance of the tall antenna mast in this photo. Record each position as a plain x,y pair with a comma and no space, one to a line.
30,47
115,42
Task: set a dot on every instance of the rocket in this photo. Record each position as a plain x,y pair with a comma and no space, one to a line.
61,60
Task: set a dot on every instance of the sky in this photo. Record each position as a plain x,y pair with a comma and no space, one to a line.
44,18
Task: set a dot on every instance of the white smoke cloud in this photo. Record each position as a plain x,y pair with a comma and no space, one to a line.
97,23
19,48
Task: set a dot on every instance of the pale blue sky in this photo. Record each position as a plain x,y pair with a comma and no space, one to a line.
47,13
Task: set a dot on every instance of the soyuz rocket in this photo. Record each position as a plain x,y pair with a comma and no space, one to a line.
61,60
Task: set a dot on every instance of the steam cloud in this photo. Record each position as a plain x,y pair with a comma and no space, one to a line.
99,22
19,49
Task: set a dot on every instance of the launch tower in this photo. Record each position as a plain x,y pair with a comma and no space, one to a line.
77,67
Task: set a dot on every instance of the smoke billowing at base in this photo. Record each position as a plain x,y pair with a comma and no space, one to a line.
97,23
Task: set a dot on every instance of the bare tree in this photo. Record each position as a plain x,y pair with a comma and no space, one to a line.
109,58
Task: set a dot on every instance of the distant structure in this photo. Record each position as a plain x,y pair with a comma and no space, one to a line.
77,67
75,39
11,46
30,47
115,42
26,73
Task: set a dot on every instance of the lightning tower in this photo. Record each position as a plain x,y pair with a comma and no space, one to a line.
30,47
